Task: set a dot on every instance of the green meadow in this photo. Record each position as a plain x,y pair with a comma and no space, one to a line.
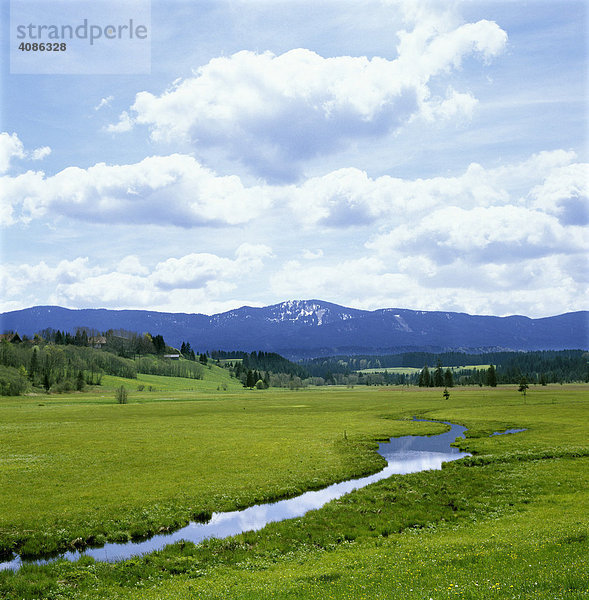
411,370
509,522
400,370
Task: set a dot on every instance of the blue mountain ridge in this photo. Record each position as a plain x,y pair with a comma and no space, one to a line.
308,328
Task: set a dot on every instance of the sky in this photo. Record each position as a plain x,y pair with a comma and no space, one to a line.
391,153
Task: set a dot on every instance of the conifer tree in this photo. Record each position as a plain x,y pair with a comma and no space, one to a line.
34,366
159,343
424,378
491,379
438,375
80,383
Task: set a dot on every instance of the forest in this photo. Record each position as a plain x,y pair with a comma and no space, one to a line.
546,366
57,362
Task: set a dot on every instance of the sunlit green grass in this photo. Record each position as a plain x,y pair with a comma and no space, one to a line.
411,370
511,522
214,379
80,465
396,370
532,550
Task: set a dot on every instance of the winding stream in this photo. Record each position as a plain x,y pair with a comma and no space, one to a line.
408,454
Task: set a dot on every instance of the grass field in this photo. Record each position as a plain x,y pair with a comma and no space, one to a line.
214,377
411,370
509,522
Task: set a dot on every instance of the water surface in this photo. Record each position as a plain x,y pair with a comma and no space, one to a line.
408,454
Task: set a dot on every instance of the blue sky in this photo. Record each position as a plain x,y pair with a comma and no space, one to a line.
413,154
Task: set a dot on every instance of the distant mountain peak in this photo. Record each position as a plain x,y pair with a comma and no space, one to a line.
310,312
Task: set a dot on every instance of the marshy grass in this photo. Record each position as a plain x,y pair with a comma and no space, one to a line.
510,522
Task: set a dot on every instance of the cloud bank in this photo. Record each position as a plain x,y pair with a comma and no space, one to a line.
171,190
467,242
196,279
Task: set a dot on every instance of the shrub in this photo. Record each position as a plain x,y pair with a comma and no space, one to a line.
67,385
121,395
13,382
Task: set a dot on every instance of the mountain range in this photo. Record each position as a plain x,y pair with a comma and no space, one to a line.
310,328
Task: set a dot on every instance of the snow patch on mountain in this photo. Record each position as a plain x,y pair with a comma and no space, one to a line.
304,311
402,323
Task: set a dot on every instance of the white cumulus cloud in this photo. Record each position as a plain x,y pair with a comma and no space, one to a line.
565,193
202,278
16,279
125,123
533,287
166,190
272,111
104,102
40,153
131,265
484,234
199,270
548,182
10,147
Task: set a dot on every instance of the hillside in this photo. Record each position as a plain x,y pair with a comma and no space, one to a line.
307,328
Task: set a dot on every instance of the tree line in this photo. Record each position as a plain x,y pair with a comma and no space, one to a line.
124,343
261,361
546,366
62,361
65,367
439,378
263,369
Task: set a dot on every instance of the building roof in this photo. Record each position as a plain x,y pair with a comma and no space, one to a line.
10,337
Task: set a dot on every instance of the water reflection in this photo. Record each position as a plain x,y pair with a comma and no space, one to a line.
508,431
408,454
